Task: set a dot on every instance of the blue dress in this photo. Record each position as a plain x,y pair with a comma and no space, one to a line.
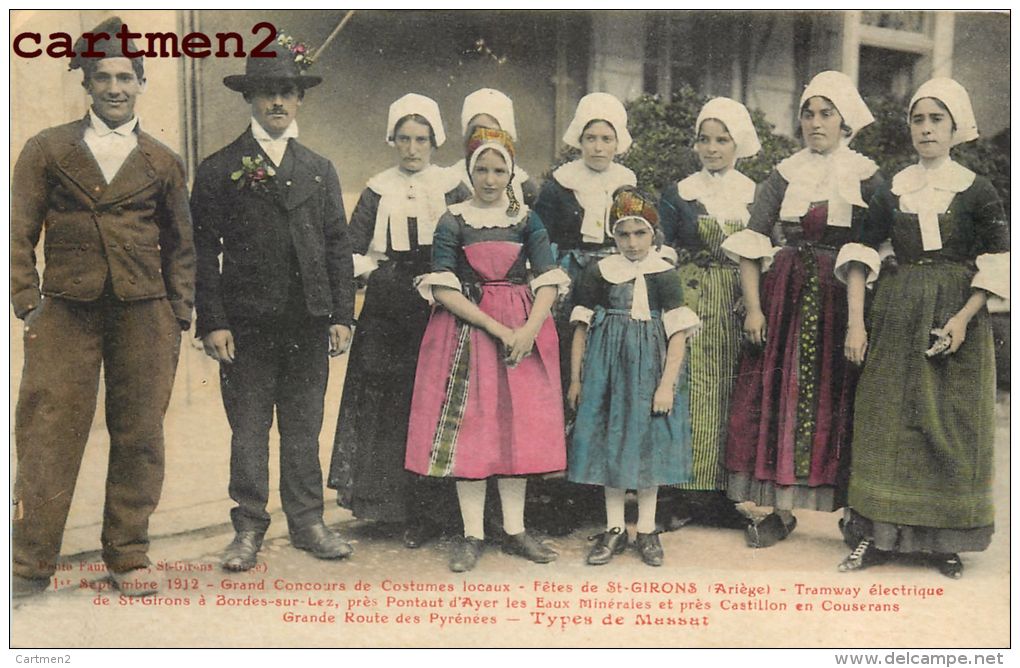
617,442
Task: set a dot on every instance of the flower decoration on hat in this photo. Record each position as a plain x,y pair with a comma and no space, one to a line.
299,50
630,204
287,66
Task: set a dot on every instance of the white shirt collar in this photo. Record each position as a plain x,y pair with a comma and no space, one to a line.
102,129
261,135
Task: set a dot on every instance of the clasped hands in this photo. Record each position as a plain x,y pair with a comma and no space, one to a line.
517,343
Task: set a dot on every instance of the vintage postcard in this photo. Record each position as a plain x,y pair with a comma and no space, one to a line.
335,91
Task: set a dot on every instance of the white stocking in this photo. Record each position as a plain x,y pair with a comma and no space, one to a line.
615,500
471,494
646,500
511,497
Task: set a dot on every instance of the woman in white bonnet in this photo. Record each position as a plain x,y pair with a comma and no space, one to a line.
391,230
696,215
789,429
925,412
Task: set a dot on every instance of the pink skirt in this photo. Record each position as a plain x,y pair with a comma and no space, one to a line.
472,416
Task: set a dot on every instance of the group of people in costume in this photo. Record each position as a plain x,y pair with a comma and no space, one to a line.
816,341
743,341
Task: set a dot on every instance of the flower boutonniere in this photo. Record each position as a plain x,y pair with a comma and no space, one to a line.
254,174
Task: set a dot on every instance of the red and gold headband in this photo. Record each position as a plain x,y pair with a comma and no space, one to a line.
481,136
631,204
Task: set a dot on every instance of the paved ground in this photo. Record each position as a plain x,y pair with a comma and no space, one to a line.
712,592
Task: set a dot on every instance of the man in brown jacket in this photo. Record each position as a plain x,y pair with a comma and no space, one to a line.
116,292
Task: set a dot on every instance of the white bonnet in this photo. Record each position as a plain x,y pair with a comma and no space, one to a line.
738,123
840,90
603,107
955,98
413,103
492,102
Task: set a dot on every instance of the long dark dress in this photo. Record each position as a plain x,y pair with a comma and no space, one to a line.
790,418
367,468
711,284
923,448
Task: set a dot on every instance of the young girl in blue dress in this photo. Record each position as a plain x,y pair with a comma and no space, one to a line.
632,429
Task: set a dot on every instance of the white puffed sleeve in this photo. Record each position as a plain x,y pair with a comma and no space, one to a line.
581,314
855,252
751,245
681,319
426,282
993,274
556,277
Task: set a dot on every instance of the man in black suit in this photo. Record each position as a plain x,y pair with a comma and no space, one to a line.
281,304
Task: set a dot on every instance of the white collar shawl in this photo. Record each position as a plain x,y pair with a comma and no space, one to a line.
594,192
618,269
421,195
950,175
725,196
487,217
834,178
928,192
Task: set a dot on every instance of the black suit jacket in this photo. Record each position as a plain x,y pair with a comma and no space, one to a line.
134,232
299,221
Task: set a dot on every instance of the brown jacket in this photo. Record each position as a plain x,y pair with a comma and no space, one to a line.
136,230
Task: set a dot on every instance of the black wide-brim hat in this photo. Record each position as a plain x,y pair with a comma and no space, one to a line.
259,72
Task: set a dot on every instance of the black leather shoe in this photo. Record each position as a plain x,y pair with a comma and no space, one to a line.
465,553
418,533
22,587
949,565
524,545
769,531
863,556
650,549
607,545
241,553
320,541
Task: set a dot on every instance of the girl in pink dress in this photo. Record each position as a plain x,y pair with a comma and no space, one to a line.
487,395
